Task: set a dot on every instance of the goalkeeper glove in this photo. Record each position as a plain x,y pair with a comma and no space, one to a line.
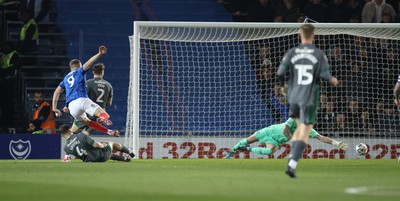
343,146
340,144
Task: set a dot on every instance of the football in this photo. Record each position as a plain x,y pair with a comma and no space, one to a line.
361,149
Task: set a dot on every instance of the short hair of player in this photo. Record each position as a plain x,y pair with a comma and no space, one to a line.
307,30
74,63
64,129
98,68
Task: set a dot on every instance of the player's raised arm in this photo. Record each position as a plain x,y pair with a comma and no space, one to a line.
56,96
94,58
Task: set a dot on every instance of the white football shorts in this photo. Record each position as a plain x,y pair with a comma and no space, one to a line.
79,107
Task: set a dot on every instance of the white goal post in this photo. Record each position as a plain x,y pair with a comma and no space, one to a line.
196,88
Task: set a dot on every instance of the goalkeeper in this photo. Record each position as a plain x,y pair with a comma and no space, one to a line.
274,136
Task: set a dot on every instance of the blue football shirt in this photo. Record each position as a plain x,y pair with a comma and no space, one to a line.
74,85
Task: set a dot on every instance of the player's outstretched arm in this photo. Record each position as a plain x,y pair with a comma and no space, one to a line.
94,58
340,144
56,96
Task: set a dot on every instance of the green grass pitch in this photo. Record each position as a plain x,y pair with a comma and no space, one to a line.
204,179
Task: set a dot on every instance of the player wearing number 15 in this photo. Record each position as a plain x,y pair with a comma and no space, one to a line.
77,100
306,64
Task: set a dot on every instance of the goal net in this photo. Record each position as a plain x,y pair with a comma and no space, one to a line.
198,88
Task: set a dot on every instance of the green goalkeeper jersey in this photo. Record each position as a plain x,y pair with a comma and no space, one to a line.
274,134
291,123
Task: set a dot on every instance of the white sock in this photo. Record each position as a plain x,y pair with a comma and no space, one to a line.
292,164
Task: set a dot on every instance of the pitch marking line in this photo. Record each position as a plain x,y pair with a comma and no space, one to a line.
374,190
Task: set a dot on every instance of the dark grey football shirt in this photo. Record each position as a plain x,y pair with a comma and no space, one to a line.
306,64
81,146
99,91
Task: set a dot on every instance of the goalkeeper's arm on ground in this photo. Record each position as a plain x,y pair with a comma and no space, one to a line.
340,144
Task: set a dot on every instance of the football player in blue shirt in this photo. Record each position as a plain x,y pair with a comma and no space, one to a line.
77,100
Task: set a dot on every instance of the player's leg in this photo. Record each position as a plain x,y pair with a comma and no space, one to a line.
98,127
77,126
86,129
77,110
264,135
117,157
122,148
304,121
104,154
244,142
79,114
304,131
109,147
268,149
92,124
103,116
295,113
300,143
92,108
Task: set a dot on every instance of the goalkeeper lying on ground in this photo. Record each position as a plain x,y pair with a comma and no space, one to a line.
274,136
